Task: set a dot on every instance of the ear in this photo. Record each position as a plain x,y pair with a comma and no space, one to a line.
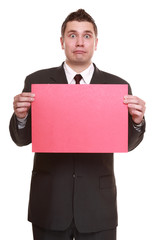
62,42
96,43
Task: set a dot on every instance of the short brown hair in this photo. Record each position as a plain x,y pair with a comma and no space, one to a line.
80,16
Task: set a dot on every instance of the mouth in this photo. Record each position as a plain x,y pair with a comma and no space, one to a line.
79,52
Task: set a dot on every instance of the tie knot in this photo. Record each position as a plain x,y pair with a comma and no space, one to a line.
78,78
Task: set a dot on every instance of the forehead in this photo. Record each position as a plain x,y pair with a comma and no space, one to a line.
79,26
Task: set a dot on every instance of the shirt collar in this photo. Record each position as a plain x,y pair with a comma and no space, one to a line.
86,74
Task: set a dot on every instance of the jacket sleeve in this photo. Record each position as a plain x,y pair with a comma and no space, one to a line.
21,136
135,136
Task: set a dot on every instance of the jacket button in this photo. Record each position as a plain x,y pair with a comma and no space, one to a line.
74,175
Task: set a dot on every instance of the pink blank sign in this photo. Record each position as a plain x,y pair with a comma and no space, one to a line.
79,118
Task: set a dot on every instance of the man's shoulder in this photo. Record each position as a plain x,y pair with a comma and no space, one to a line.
102,77
43,72
43,76
111,78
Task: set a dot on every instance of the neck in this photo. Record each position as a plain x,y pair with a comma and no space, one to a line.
78,68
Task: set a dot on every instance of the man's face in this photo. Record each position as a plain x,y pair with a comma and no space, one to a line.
79,43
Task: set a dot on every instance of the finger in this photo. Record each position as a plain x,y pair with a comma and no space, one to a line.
129,99
21,110
20,98
21,104
25,99
24,96
135,112
27,94
136,107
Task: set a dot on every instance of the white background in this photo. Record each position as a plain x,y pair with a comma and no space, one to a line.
129,46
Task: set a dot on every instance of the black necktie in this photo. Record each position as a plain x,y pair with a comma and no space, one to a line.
78,78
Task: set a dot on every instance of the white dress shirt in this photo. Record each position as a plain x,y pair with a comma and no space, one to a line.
86,74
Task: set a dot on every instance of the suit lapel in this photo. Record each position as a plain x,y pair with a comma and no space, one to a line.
59,75
97,77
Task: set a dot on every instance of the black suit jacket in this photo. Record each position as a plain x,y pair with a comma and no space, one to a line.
72,185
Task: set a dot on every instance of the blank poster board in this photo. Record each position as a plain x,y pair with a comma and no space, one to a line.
79,118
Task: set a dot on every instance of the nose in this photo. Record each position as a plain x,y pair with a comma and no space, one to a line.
80,41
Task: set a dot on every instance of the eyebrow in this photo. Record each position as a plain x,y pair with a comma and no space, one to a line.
74,31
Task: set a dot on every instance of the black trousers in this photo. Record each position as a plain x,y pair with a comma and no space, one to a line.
71,233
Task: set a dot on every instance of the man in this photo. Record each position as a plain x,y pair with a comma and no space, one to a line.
74,195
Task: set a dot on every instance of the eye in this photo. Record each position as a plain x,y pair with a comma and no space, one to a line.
87,36
73,36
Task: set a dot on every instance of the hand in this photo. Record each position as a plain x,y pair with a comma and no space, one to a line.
136,108
22,104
